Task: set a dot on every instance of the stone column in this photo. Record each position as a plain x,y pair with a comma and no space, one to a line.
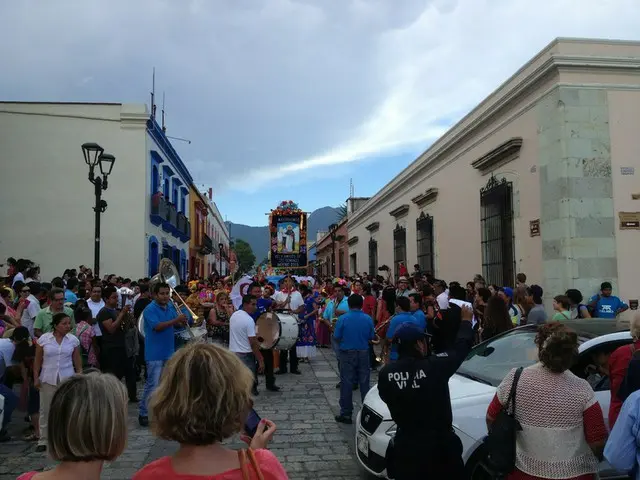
577,217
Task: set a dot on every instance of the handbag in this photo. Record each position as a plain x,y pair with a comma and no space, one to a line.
500,443
242,457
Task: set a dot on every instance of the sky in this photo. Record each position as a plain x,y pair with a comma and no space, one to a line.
290,99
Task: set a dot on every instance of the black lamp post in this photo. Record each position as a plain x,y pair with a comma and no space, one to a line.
220,248
94,156
333,231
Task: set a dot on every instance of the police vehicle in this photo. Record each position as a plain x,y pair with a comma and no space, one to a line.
473,386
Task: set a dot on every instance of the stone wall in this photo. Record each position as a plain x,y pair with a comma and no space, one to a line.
577,216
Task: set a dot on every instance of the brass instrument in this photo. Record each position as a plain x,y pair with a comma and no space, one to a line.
382,328
168,273
128,321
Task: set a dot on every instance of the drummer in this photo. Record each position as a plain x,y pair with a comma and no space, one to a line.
289,298
264,304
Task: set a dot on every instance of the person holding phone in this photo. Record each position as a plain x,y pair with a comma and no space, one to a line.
200,417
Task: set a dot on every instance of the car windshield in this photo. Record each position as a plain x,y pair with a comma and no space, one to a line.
489,362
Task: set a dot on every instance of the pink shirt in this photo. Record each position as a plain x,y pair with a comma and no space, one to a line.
27,476
163,468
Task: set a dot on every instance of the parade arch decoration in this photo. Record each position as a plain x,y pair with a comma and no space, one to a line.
288,231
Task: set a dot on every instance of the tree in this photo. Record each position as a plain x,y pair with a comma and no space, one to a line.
342,212
244,254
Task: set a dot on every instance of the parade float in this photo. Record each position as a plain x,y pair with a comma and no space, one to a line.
288,238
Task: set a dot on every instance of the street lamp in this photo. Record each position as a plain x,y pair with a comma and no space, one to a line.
333,231
94,156
220,248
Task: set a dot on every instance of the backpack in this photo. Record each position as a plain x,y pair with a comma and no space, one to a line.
500,443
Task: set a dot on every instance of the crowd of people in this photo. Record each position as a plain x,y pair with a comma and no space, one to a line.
54,331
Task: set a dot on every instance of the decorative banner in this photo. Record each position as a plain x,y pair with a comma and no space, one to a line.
288,228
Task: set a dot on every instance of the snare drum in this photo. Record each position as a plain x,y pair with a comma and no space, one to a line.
277,330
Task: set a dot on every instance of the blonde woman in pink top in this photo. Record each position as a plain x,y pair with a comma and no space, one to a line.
203,399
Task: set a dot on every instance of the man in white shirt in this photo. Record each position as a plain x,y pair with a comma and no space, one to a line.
442,294
242,337
288,298
95,304
30,312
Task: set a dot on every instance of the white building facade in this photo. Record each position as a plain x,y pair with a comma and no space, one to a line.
44,179
218,261
539,178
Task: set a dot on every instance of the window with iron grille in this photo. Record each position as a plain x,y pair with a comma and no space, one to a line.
373,257
399,248
496,210
424,236
353,264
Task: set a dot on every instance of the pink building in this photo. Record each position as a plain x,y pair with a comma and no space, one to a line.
332,251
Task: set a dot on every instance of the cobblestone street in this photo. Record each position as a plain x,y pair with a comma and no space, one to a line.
309,443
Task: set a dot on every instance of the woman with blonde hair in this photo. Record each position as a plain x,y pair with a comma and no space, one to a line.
88,426
204,398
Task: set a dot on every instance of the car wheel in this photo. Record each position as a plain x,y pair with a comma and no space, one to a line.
474,467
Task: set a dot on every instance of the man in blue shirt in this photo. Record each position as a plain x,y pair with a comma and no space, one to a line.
160,318
605,305
621,450
403,315
415,300
70,293
353,333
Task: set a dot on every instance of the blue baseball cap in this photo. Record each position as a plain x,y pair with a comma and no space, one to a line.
408,332
508,292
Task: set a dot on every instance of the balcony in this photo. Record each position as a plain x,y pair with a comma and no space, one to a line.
166,214
183,227
170,223
206,246
159,209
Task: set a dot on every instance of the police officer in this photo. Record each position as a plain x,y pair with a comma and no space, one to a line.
416,390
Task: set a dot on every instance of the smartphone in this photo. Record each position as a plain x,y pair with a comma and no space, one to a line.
252,422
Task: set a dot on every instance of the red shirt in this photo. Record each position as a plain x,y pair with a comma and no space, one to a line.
369,305
163,469
618,364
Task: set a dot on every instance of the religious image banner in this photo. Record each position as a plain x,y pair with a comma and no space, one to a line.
288,240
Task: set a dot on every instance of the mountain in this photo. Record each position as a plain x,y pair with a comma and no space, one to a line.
258,237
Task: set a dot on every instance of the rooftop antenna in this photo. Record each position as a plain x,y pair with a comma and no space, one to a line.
153,94
164,127
351,188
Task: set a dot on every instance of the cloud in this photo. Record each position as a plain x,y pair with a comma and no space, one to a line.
266,89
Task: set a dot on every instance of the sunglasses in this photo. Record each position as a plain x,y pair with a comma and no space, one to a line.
25,291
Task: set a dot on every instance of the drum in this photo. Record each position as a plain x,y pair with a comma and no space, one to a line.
277,330
183,337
